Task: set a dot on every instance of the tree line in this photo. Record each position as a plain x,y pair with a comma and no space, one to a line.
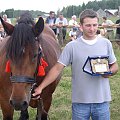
11,13
70,10
95,5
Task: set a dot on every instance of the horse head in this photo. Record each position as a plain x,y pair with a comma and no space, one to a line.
22,51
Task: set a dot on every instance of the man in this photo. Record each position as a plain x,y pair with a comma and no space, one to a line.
2,32
74,27
90,94
61,23
50,21
6,19
107,24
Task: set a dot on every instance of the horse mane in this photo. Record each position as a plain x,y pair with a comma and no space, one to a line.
22,36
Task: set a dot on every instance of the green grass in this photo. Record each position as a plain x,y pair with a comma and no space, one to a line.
61,104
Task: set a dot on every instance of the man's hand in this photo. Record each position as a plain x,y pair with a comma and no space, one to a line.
36,93
107,75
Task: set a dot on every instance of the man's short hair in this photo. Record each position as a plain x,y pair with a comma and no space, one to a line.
87,13
60,13
51,12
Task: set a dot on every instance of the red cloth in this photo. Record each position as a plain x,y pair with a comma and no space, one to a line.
41,68
7,68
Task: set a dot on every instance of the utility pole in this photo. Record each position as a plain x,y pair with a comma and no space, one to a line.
119,11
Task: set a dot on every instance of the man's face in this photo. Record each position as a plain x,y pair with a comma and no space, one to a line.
52,15
61,17
89,27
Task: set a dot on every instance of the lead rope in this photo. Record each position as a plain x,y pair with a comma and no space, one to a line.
40,105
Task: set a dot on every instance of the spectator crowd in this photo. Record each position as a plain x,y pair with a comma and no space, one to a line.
61,26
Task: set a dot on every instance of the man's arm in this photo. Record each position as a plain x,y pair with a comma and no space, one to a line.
51,76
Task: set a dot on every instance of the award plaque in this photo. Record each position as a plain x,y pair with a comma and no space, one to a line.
97,65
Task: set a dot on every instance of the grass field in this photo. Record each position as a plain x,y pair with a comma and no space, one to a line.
61,104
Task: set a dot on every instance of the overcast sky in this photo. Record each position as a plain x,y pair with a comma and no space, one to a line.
41,5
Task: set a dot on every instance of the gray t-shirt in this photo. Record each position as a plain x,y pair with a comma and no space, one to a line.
87,88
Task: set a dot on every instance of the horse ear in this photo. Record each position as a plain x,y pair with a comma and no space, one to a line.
39,26
7,26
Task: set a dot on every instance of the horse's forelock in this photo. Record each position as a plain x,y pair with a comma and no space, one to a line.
26,18
22,36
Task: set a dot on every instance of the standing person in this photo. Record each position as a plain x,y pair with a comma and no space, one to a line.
107,24
90,94
6,19
118,29
73,23
74,27
61,23
50,20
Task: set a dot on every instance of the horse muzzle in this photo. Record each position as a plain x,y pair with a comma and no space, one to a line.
19,105
20,100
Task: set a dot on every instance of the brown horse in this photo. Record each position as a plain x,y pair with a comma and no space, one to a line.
22,48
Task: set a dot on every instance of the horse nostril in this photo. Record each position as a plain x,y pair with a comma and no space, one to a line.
24,104
11,102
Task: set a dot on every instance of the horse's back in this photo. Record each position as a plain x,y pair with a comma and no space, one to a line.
51,49
48,31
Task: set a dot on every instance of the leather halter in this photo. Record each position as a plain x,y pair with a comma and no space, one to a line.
22,79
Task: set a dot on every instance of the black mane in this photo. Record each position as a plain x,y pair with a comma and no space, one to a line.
21,37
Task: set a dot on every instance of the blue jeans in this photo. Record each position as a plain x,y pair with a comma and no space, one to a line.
97,111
